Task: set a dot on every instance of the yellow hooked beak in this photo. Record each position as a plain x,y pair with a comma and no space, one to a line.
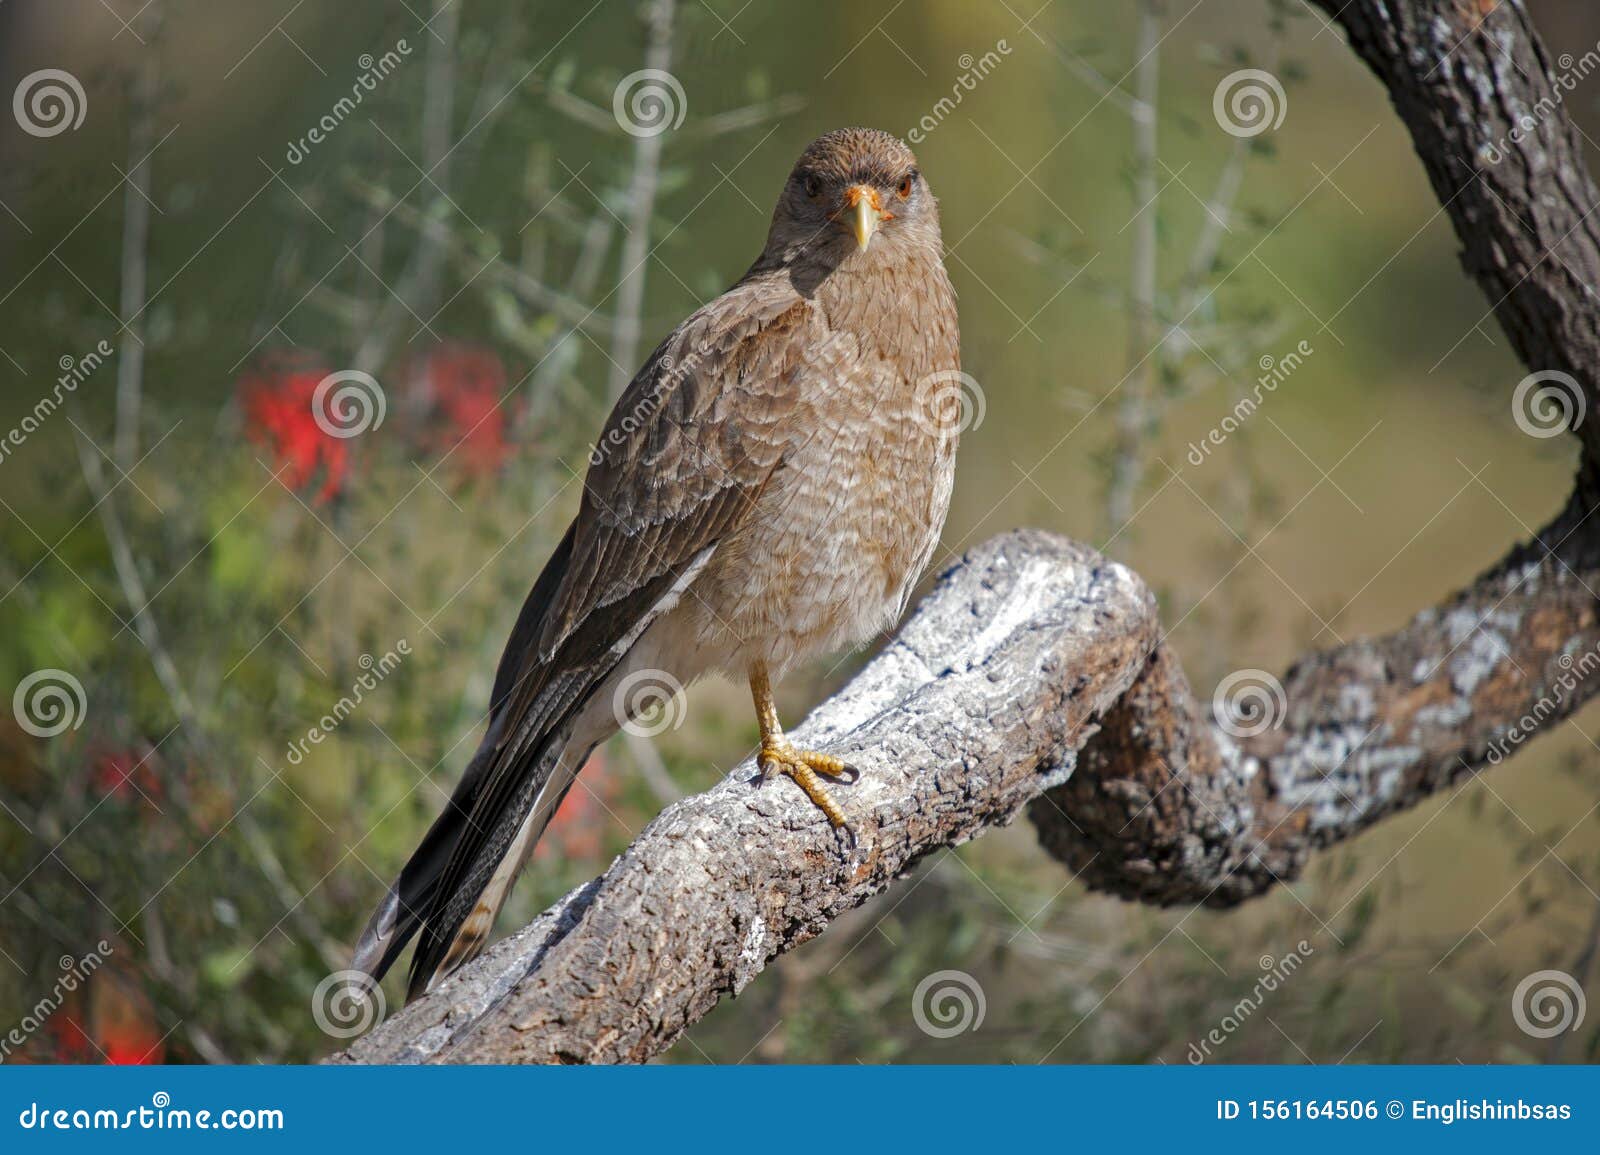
862,213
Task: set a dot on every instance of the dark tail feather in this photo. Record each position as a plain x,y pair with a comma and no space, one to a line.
449,893
462,918
401,913
452,887
399,916
454,910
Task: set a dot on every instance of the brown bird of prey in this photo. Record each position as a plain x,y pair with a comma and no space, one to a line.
769,487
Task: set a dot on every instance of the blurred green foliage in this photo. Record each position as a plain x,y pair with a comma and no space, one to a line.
232,879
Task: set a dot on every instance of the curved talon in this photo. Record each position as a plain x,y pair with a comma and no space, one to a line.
848,775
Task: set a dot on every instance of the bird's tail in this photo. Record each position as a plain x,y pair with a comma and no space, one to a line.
457,880
401,912
548,710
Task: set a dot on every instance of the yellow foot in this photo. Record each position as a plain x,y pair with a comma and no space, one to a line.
804,766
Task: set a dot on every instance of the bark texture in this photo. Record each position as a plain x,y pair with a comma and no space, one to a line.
1033,675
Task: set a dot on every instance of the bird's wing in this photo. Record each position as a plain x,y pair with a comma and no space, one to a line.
690,444
694,439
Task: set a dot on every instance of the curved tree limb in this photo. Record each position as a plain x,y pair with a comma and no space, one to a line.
1165,807
1035,670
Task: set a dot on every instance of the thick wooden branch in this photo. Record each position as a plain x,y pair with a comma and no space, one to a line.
1485,103
977,706
1168,808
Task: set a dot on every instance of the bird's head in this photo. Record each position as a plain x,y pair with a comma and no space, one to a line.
854,191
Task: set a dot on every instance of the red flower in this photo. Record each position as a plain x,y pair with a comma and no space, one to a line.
132,1047
124,774
575,829
454,397
279,415
69,1042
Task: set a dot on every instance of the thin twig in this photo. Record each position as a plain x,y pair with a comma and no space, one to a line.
641,204
419,285
1133,407
144,89
653,770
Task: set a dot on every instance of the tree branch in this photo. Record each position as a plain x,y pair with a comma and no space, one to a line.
1464,82
976,706
642,187
1166,807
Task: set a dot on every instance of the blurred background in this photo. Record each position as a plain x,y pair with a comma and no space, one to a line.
478,205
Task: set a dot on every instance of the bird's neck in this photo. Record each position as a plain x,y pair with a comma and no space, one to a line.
897,307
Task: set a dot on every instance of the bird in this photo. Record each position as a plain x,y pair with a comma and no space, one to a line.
769,488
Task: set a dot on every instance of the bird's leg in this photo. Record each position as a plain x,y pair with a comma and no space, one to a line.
779,756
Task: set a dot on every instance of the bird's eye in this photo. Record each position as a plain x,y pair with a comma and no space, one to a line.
813,186
905,186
